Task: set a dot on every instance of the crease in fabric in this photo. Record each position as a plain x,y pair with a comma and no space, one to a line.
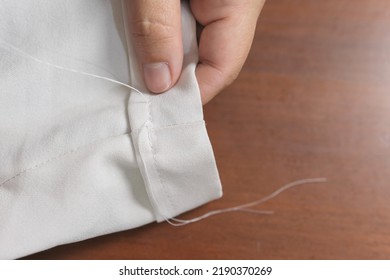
47,161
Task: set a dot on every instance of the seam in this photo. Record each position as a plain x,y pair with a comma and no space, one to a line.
45,162
159,174
194,123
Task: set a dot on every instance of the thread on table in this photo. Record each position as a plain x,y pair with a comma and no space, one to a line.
27,55
247,206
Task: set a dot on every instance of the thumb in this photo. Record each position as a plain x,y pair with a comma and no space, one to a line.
155,28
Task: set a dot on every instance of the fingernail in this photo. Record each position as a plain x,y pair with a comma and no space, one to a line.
157,76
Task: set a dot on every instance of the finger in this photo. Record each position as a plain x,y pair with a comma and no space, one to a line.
225,41
155,28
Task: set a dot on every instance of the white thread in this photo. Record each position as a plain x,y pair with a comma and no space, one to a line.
178,222
24,54
254,211
246,207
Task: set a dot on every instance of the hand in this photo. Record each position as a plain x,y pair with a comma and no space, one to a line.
228,27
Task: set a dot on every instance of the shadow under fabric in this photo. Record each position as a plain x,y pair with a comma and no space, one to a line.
82,157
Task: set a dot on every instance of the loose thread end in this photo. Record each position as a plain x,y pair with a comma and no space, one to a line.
245,207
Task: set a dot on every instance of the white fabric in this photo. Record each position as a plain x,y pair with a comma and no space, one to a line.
82,157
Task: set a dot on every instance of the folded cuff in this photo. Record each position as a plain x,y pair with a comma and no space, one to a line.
178,167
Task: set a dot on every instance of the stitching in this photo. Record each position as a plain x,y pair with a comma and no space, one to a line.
45,162
159,174
160,177
195,123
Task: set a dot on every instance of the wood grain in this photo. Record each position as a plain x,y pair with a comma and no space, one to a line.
313,100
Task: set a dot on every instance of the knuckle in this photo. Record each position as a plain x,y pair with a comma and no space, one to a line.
152,30
226,75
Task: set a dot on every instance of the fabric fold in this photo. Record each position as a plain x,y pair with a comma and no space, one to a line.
177,177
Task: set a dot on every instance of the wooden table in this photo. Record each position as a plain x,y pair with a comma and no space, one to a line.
313,100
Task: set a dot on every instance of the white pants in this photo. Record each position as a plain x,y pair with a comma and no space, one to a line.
80,156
